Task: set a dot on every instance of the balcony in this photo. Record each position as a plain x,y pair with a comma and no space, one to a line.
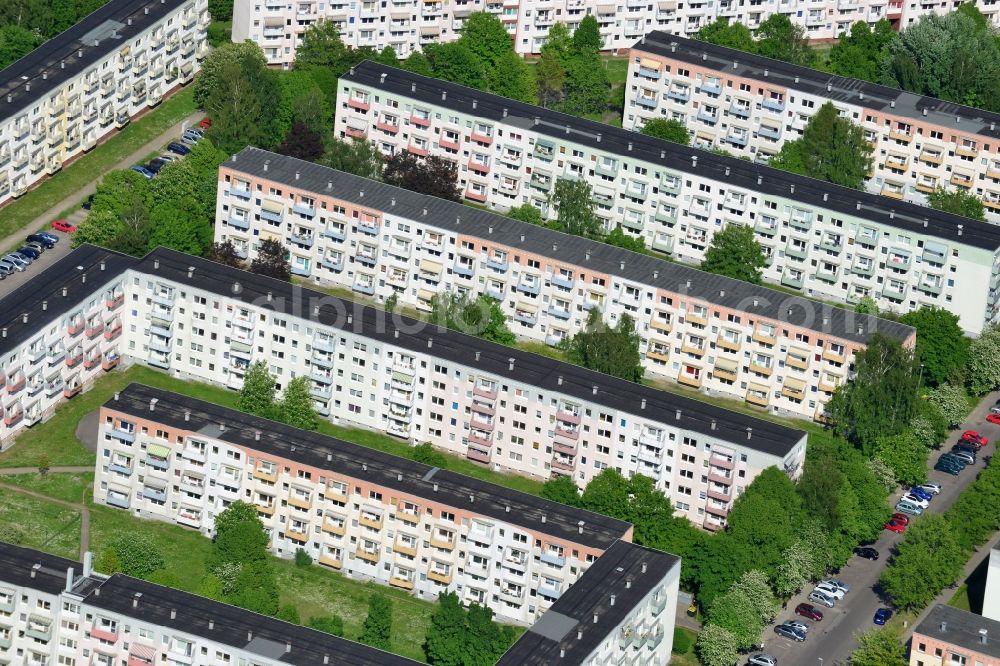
39,628
119,500
154,493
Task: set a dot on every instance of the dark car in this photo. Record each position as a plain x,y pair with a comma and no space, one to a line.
44,241
882,616
89,202
29,252
952,459
178,148
156,165
809,611
917,491
866,552
790,633
954,470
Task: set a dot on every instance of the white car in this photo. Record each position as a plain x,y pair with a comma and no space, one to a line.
931,487
822,598
830,591
913,499
839,584
762,660
799,626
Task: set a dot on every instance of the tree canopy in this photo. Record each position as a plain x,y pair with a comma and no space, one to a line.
957,201
831,148
858,53
613,350
942,348
481,316
574,205
431,175
735,252
667,129
271,260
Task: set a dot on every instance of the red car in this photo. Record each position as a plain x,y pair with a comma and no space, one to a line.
993,418
894,526
809,611
63,226
205,123
974,438
900,518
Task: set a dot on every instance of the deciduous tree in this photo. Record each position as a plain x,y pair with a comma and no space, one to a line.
834,149
257,393
271,260
296,408
574,205
458,63
619,238
951,402
611,350
431,175
957,201
941,346
242,103
928,559
881,646
355,156
323,48
138,556
377,627
858,54
667,129
779,38
225,253
724,33
550,74
984,361
562,489
905,454
735,252
481,316
526,212
717,646
302,143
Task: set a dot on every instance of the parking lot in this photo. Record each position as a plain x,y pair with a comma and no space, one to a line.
49,257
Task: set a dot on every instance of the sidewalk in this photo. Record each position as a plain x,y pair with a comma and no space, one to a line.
81,194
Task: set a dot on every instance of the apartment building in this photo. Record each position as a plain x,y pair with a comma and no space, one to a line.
75,89
365,513
953,636
409,25
751,106
723,336
59,611
58,334
827,241
991,597
512,410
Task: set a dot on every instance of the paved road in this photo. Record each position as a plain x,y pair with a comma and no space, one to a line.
81,506
49,257
832,640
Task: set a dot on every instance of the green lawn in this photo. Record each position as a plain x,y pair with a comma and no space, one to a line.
961,598
688,657
22,212
36,523
67,486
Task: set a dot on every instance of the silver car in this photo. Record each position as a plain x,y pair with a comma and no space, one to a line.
762,660
798,626
822,599
17,260
833,582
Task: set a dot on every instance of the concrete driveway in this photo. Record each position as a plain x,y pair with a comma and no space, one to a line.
49,257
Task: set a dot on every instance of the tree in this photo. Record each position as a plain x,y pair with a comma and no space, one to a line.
242,104
984,361
225,253
331,624
941,347
858,54
587,36
486,37
43,463
745,609
302,143
722,32
378,624
619,238
431,175
456,62
789,158
867,305
802,561
418,63
481,316
271,260
886,375
180,225
296,407
108,563
587,85
885,474
717,646
288,613
137,556
487,641
667,129
256,588
611,350
15,43
735,252
444,644
212,67
777,37
607,494
392,302
239,539
950,401
511,77
957,201
257,393
123,197
425,453
355,156
905,454
928,559
550,74
323,48
764,519
574,205
221,10
834,149
526,213
880,646
562,489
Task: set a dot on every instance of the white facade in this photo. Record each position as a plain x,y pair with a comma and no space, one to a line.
700,330
828,242
65,96
408,25
752,109
991,596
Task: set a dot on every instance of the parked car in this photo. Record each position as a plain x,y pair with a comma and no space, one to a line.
948,468
951,457
799,626
178,148
142,171
26,259
762,660
17,260
189,139
900,518
964,456
908,507
822,599
809,611
917,491
882,615
975,438
866,552
993,418
5,270
786,631
9,267
46,234
89,202
830,590
42,239
205,123
155,165
37,246
913,499
195,132
931,487
63,226
895,526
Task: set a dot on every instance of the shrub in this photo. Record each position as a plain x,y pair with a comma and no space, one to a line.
302,558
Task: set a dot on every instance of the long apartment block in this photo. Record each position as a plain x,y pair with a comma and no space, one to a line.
61,99
409,25
59,611
751,106
365,513
954,636
720,335
827,241
511,410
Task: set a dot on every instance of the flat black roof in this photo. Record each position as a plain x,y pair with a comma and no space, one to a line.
75,50
42,300
958,117
546,374
566,248
730,171
241,629
591,595
370,465
17,563
962,628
